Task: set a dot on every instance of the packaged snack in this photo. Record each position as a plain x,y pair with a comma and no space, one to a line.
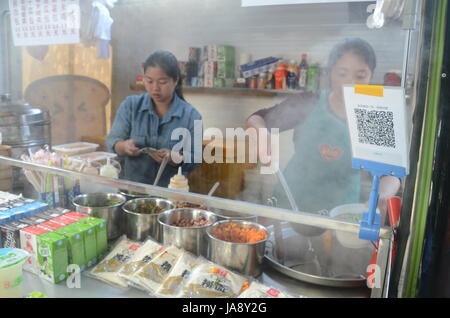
110,266
149,251
213,281
258,290
152,275
180,273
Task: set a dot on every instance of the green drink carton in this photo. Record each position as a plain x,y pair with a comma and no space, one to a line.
52,257
90,240
225,53
75,244
100,234
225,69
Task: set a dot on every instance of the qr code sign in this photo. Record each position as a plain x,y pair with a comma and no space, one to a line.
375,127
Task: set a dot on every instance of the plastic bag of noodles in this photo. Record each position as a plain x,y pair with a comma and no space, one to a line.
146,253
210,280
180,273
107,270
151,275
258,290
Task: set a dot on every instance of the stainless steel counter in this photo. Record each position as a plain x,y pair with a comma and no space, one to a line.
92,288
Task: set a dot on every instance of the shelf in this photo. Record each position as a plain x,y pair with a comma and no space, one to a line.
227,91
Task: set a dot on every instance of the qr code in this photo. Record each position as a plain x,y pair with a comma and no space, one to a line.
375,127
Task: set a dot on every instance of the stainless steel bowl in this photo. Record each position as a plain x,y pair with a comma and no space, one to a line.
192,239
231,215
103,205
130,195
139,226
246,258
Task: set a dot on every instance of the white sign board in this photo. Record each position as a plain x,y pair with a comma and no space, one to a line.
43,22
254,3
377,124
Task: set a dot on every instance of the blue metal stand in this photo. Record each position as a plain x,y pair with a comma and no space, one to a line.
371,220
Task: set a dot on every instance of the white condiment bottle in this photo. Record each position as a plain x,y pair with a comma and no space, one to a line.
179,182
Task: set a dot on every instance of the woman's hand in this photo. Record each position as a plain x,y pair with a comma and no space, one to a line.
127,148
174,157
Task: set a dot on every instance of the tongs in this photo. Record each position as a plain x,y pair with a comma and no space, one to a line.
161,169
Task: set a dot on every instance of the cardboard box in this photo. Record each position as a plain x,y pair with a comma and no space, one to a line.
10,234
225,53
100,234
28,242
225,69
75,245
90,241
52,256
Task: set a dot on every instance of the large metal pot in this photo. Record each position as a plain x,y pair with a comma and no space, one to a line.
103,205
192,239
139,226
246,258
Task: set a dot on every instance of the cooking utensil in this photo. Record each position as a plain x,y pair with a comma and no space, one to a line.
279,244
103,205
214,188
192,239
162,166
139,226
246,258
287,190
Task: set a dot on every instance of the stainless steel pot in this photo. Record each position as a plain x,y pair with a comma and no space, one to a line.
139,226
246,258
103,205
192,239
231,215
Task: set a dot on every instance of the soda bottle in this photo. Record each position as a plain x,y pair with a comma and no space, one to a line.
312,84
292,75
280,76
302,73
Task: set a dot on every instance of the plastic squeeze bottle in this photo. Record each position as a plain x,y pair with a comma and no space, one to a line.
109,170
179,182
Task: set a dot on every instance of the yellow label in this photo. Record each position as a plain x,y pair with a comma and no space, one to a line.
371,90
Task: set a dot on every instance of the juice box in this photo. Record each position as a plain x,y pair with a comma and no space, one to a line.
50,225
75,215
63,220
53,213
28,243
225,53
90,240
52,256
100,234
75,245
10,234
33,220
225,69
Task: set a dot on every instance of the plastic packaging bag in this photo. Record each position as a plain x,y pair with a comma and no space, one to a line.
146,253
258,290
152,275
107,270
180,273
213,281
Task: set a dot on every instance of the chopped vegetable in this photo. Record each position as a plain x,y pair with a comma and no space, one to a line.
198,221
236,233
149,208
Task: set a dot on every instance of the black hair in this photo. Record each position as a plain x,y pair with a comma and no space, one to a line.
356,46
169,64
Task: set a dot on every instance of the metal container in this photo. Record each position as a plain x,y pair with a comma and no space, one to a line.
246,258
231,215
130,195
23,126
139,226
103,205
192,239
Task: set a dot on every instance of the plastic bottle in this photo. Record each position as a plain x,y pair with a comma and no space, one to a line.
312,84
109,170
179,182
303,73
292,75
280,76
